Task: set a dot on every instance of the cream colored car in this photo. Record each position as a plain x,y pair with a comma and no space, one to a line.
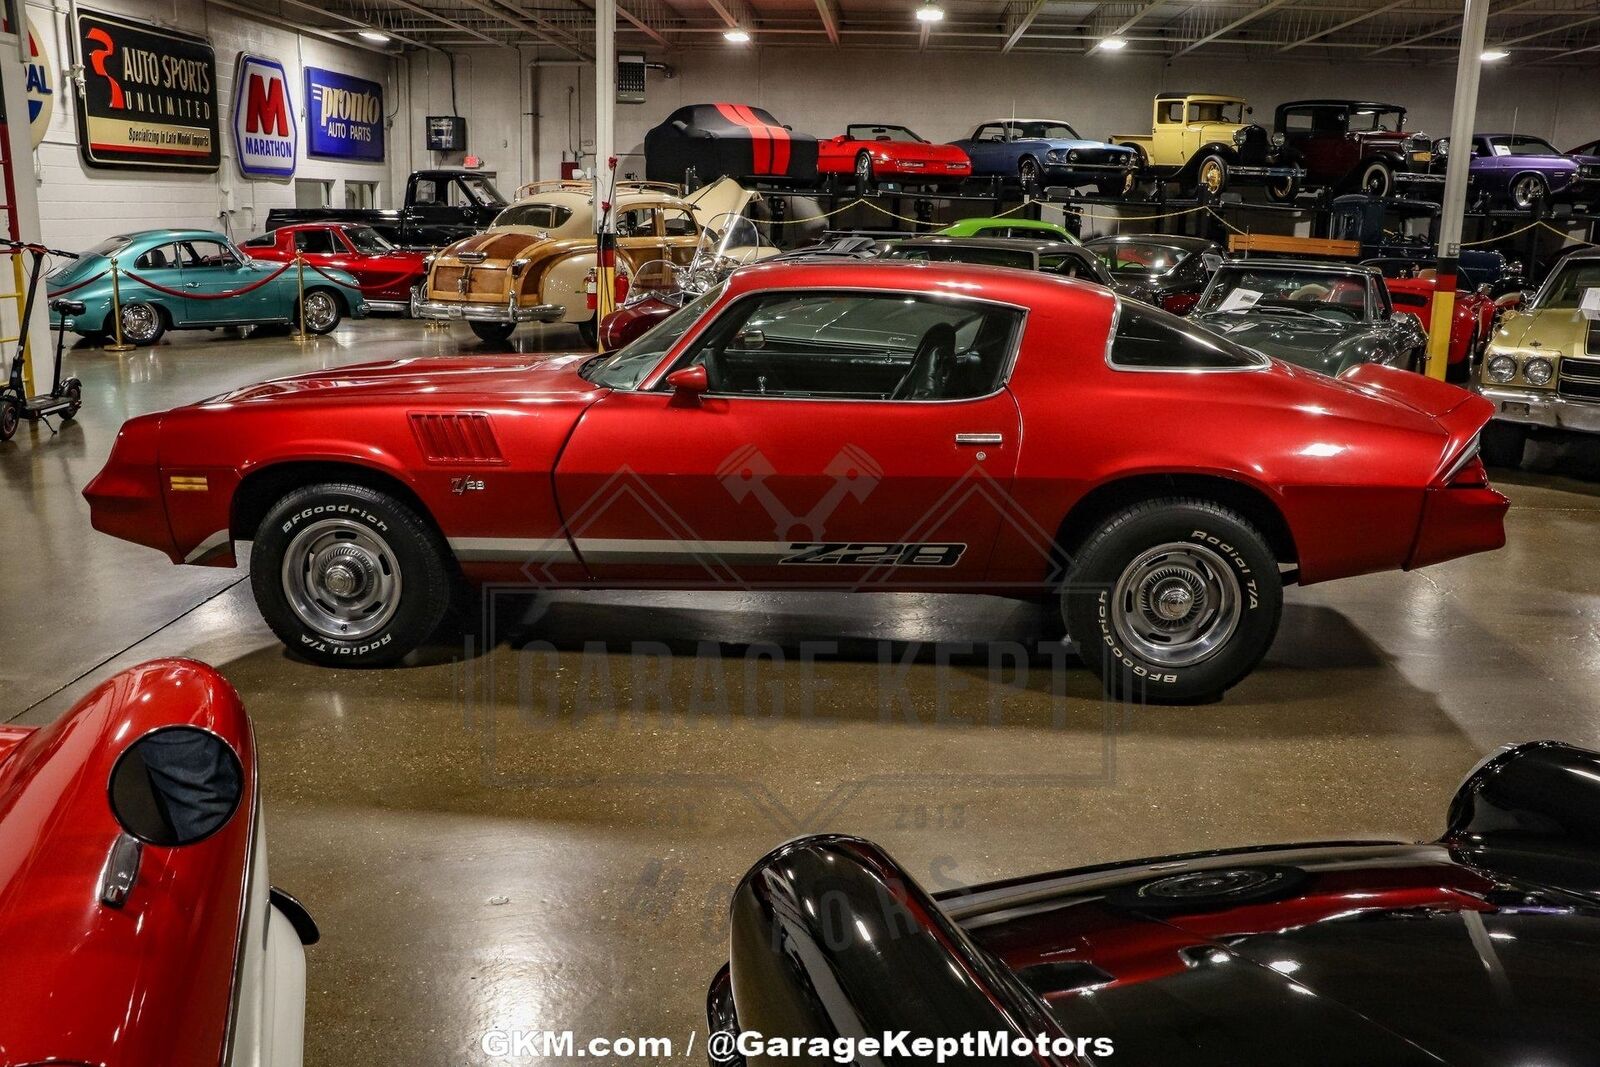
537,262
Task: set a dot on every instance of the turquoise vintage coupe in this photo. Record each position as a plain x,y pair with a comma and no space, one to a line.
195,279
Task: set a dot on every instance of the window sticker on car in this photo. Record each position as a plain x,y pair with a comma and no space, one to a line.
1501,150
1239,299
1590,304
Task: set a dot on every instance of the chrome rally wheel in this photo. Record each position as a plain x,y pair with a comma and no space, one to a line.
341,579
1176,604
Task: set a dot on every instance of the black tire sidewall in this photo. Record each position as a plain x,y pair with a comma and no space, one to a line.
1099,563
493,332
425,583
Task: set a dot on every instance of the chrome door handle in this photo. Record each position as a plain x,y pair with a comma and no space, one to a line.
979,439
191,285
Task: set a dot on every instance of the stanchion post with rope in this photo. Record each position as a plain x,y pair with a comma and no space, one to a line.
300,335
119,345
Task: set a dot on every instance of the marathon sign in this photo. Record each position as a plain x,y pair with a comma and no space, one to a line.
264,128
148,96
344,116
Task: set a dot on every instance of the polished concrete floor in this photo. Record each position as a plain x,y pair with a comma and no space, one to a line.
544,835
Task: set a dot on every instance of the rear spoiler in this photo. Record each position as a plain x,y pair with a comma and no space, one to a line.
1460,414
831,937
1532,812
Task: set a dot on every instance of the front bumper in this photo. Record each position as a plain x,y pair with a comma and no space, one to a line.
1084,173
1542,407
1245,170
469,312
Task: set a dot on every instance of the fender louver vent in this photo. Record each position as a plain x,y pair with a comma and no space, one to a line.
456,438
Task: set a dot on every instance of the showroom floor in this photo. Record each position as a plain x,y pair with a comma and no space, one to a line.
478,858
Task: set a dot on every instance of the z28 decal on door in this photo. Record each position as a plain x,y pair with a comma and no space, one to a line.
862,554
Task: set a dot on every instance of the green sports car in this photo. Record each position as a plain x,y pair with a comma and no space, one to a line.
1008,226
195,279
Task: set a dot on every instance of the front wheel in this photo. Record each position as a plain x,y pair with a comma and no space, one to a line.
72,389
495,333
1377,179
348,576
1173,601
1028,174
1212,174
1529,190
321,313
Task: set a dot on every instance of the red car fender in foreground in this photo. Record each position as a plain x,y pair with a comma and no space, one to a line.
150,982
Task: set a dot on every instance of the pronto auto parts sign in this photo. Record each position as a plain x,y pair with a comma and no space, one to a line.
264,129
344,116
148,98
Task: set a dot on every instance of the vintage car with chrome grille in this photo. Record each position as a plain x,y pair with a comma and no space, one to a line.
1356,145
137,922
537,263
1205,141
1041,152
1542,367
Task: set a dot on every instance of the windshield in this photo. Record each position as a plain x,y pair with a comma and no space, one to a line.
1324,293
629,365
1047,131
1231,111
980,254
731,239
366,239
1566,286
879,133
481,188
1521,146
1140,257
1369,120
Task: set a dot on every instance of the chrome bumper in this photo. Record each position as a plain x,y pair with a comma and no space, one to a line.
1542,407
388,305
465,312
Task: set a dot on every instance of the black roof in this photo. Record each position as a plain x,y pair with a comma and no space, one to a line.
1170,240
1358,104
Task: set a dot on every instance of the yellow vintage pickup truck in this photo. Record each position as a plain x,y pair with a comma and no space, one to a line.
1203,141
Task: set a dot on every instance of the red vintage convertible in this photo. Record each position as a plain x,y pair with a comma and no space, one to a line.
137,925
867,425
875,151
385,274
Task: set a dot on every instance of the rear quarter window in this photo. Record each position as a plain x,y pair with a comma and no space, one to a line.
1146,338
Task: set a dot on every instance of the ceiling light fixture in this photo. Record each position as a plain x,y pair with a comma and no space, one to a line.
1493,54
930,12
736,35
374,36
1113,44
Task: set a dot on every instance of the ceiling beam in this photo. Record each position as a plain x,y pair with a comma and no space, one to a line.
542,28
1023,22
828,12
1346,24
1269,6
733,13
1134,19
1453,24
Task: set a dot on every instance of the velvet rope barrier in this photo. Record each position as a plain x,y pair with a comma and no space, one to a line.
193,294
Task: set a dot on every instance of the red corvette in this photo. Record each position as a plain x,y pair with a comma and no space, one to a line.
384,273
837,425
1470,328
135,914
872,152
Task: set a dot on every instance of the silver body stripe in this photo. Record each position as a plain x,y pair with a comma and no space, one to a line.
669,550
513,549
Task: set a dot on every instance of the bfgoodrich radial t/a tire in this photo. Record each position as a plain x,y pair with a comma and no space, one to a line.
1173,601
348,576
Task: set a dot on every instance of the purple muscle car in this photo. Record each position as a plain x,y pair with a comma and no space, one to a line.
1518,170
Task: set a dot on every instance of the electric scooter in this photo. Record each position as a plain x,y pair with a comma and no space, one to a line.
65,395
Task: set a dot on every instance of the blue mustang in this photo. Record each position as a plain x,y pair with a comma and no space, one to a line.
195,279
1039,152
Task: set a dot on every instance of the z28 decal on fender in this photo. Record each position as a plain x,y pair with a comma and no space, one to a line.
864,554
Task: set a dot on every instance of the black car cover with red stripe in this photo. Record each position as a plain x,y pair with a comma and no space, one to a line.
732,140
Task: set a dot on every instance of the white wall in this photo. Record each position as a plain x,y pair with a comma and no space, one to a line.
943,95
79,205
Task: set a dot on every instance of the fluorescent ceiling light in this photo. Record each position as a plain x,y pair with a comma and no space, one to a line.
736,35
930,12
374,36
1113,44
1493,54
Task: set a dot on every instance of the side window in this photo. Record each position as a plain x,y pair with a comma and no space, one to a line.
314,242
266,240
988,133
863,346
205,255
640,222
1150,339
1066,266
676,222
1171,111
425,192
1297,122
157,258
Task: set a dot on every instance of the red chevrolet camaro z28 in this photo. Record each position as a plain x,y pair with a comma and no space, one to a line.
862,426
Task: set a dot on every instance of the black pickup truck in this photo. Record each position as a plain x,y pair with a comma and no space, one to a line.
441,206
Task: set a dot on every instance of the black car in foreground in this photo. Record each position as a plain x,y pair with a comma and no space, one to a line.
1171,268
1480,949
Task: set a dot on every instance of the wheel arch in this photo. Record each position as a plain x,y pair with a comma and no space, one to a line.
264,486
332,290
1253,503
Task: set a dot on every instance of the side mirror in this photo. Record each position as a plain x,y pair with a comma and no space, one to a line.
176,786
1248,110
1211,260
751,339
689,381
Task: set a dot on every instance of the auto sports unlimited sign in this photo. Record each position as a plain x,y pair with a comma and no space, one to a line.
264,129
148,98
344,116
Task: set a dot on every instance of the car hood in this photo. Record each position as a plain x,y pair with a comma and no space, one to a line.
507,377
1304,342
1550,332
1353,954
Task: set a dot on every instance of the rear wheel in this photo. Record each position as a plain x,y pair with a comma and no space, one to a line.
142,323
1503,444
1173,601
493,332
349,576
10,418
863,171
